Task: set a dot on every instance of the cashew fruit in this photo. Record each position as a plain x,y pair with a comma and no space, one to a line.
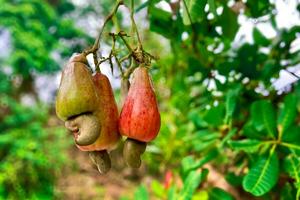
75,101
86,103
140,118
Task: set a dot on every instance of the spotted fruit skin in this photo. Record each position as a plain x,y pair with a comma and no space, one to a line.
108,117
140,118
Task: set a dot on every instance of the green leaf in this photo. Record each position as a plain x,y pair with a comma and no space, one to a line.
247,145
212,7
288,113
263,117
207,145
262,176
202,140
231,100
203,135
218,193
250,131
189,163
286,192
258,8
292,135
194,10
157,188
215,115
228,22
231,133
141,193
259,38
203,195
233,179
292,166
195,116
191,183
172,193
269,69
248,55
160,19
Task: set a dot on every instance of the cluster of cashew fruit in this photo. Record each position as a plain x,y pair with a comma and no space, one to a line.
86,103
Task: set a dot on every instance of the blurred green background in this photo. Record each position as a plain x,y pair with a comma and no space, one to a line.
226,82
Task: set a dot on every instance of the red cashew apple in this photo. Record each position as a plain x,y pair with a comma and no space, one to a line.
140,118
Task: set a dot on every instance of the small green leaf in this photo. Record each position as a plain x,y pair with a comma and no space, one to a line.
203,195
292,166
292,136
262,176
259,38
258,8
203,135
202,140
191,183
247,145
270,69
215,115
231,133
233,179
218,193
251,132
195,117
193,11
157,188
263,117
288,113
188,163
231,100
228,22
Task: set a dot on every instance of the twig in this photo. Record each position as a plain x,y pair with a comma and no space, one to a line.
129,70
151,56
121,34
126,57
111,54
134,24
119,65
96,46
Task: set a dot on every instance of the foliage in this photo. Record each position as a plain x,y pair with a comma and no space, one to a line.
31,158
219,107
214,112
35,37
